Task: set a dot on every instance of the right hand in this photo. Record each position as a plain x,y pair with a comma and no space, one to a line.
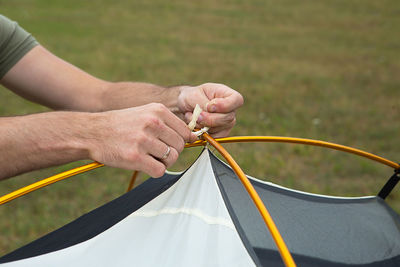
137,138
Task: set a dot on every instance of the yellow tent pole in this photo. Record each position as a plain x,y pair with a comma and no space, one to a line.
294,140
283,250
61,176
133,180
47,181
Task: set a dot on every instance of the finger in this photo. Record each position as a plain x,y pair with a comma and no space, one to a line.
170,137
152,166
171,158
188,117
157,148
163,152
220,132
178,126
213,120
226,104
160,116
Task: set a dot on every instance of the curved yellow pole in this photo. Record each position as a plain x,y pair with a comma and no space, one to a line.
47,181
283,250
279,139
132,181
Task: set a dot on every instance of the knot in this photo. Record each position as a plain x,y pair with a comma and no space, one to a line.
201,131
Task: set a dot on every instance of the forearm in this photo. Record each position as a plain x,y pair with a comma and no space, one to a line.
42,140
46,79
131,94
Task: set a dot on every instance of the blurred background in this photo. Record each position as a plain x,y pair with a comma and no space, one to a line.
328,70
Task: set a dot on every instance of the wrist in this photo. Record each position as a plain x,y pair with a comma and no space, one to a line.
68,135
96,129
88,133
171,99
182,106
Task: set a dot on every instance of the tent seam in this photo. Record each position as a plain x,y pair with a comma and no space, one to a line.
211,220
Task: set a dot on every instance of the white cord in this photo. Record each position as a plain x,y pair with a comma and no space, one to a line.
196,113
201,131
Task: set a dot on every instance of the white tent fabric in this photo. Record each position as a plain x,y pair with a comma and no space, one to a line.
187,225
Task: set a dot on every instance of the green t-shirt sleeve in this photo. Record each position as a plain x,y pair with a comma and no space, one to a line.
15,42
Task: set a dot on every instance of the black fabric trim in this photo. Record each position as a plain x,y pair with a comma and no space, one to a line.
214,160
270,257
96,221
390,184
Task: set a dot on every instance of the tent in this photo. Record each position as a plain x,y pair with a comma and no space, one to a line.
205,217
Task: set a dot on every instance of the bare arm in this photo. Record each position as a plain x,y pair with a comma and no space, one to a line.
44,78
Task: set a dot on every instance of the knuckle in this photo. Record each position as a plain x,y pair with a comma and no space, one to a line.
158,107
133,156
152,122
153,105
141,138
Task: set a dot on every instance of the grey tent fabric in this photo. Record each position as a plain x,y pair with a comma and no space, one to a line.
318,230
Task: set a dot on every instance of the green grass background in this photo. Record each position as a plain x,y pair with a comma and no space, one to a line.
328,70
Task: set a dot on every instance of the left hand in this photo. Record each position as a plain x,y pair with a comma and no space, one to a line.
219,103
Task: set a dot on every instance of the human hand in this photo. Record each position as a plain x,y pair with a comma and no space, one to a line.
138,138
219,103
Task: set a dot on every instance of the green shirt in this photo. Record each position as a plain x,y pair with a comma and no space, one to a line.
15,42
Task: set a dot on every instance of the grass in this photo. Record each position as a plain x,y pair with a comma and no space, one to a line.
312,69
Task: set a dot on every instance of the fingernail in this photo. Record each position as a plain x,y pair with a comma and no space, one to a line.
200,118
213,108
